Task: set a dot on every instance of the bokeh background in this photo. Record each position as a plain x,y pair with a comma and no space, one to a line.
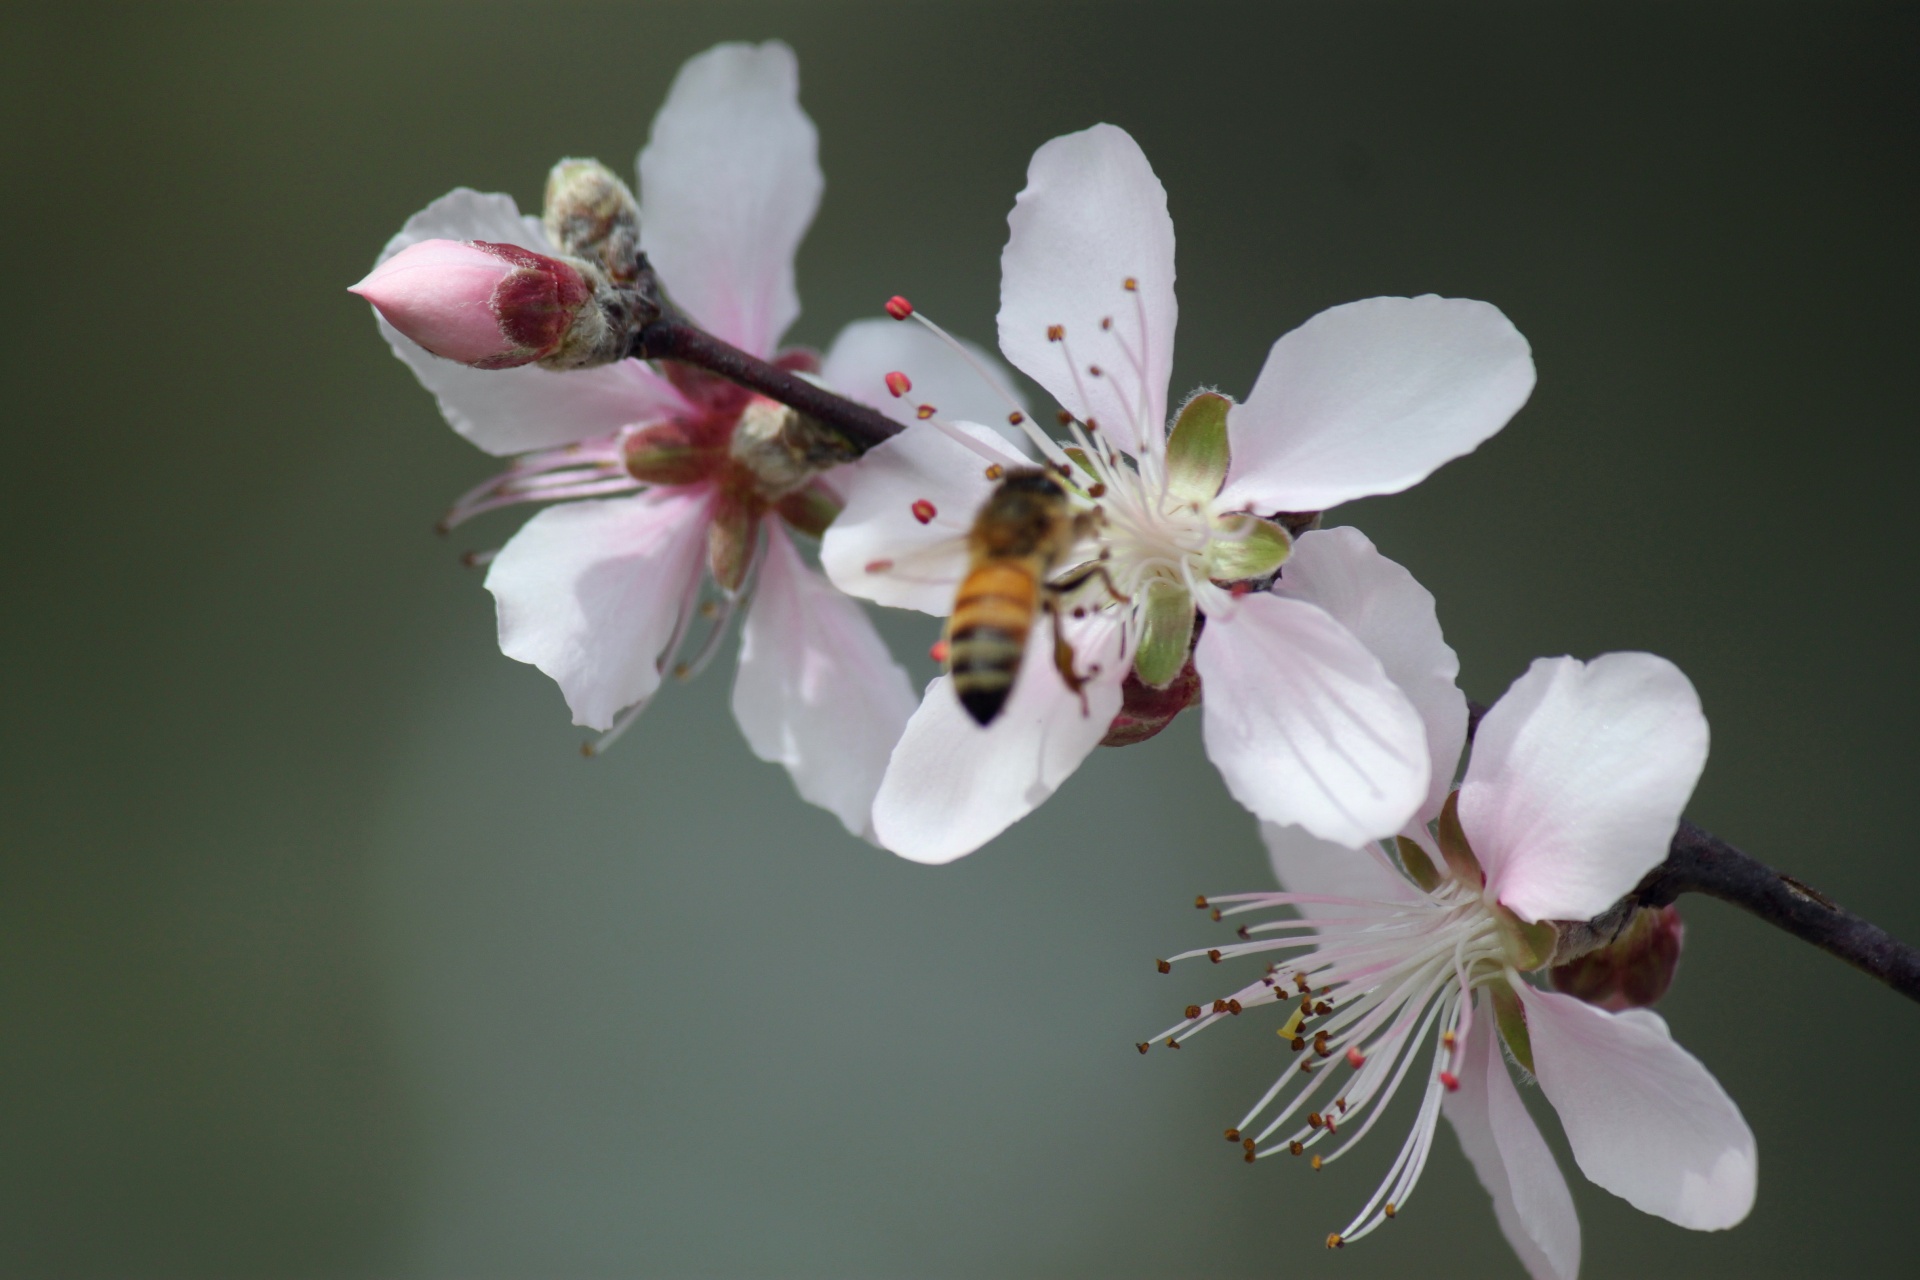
324,953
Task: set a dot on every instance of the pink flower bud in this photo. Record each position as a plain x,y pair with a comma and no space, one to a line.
1632,971
492,306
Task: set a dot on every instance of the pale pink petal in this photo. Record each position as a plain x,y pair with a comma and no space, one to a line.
589,592
729,181
507,411
953,786
1372,397
1393,616
1530,1197
1092,217
1304,863
1577,780
1644,1118
901,538
1304,725
980,390
817,691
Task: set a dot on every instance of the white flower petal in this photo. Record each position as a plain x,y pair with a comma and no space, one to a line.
507,411
817,691
1645,1119
1092,217
866,351
1372,397
1530,1197
729,181
1393,616
589,592
953,786
1304,725
878,548
1577,780
1303,863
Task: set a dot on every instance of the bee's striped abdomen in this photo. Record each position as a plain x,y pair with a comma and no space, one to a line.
987,635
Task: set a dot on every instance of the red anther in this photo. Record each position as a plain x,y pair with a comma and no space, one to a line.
1092,425
899,383
1064,418
923,511
1056,333
1300,981
1233,1135
1015,418
1215,914
1193,1011
879,566
1201,902
1219,1006
1249,1157
924,412
1097,490
898,307
1106,322
1450,1080
1213,954
938,652
1143,1046
1163,966
1294,1148
1355,1058
1331,1126
1313,1120
1322,1009
1233,1006
1094,370
1244,935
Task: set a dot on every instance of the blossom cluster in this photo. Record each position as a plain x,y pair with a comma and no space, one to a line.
1448,926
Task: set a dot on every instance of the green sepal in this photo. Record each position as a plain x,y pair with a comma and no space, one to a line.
730,540
809,510
1416,863
1197,453
1461,863
1166,635
1511,1017
1254,548
1528,946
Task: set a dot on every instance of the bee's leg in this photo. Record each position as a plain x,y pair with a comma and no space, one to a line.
1088,573
1063,656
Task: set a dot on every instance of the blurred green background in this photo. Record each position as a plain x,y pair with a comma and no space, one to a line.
323,953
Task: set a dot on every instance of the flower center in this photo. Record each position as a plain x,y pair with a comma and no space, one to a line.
1365,984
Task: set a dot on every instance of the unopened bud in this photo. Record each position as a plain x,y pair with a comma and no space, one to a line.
491,306
1633,970
590,213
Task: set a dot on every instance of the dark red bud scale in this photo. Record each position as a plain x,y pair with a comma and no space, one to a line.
898,307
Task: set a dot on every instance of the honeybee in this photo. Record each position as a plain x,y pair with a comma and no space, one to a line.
1022,532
